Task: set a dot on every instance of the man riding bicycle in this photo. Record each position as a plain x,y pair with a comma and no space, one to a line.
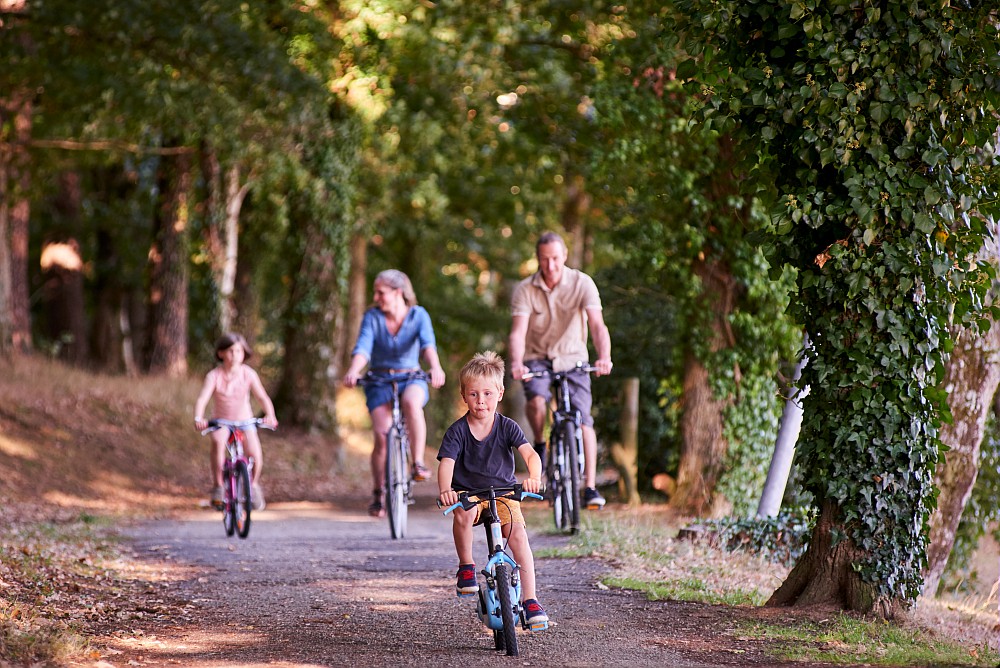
552,311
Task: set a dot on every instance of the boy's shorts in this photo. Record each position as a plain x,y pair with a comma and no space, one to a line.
580,398
509,511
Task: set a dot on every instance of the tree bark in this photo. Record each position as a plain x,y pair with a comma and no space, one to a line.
825,576
357,295
168,291
576,204
626,453
305,394
15,210
703,444
971,377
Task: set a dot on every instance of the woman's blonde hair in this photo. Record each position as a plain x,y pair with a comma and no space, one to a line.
397,280
486,365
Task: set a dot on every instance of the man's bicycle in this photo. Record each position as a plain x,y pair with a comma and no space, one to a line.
237,471
499,606
398,464
564,462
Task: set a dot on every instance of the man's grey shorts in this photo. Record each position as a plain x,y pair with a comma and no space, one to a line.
580,397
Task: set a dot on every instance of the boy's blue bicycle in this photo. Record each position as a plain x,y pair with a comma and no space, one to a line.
499,605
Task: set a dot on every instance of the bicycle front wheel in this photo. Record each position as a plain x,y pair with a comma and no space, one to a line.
558,479
571,481
397,481
228,501
241,505
504,588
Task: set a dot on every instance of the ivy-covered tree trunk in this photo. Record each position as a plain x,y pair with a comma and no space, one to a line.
868,130
305,394
971,378
703,443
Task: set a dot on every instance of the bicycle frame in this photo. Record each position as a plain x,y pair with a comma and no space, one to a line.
398,467
564,466
499,601
237,472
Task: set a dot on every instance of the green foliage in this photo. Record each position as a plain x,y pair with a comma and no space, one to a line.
781,539
865,127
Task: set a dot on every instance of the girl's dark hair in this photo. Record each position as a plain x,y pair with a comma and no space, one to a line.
227,341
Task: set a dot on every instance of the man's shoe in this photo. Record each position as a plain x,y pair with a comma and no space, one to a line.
421,473
592,499
467,584
375,508
217,497
534,615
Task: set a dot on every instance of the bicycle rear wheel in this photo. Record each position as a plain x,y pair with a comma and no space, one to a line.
397,480
504,588
228,501
241,505
572,479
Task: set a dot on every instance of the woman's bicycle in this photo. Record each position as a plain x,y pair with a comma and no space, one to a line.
499,605
565,460
237,471
398,464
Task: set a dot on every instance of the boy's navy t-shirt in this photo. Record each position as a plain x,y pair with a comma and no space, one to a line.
485,463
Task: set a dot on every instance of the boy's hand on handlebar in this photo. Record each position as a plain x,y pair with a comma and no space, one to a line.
533,485
448,497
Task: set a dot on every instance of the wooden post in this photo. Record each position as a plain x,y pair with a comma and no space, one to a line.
626,453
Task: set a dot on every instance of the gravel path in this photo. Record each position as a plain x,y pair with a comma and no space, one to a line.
321,585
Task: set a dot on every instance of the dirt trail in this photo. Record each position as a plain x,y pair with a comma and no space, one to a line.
320,585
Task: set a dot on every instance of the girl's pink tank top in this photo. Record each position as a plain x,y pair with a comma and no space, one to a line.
231,400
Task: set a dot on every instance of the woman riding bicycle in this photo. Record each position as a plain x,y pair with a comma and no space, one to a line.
394,334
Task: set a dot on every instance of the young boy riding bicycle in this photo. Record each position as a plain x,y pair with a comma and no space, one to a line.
478,451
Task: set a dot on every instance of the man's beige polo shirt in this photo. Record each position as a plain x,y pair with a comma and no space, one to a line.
557,318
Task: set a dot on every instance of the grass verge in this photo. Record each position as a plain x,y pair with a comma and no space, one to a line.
642,548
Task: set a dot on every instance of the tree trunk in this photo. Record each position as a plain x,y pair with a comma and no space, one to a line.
106,335
357,295
168,286
626,453
15,209
825,576
703,444
971,377
575,207
305,394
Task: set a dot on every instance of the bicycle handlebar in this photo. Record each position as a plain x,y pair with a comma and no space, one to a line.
465,498
216,424
543,373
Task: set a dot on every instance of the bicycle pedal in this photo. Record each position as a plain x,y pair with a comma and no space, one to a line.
595,506
466,594
538,626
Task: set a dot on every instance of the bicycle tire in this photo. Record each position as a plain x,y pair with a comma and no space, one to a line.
557,480
241,507
503,585
396,480
569,436
228,502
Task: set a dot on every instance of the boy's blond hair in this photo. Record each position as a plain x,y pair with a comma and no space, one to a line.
486,365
